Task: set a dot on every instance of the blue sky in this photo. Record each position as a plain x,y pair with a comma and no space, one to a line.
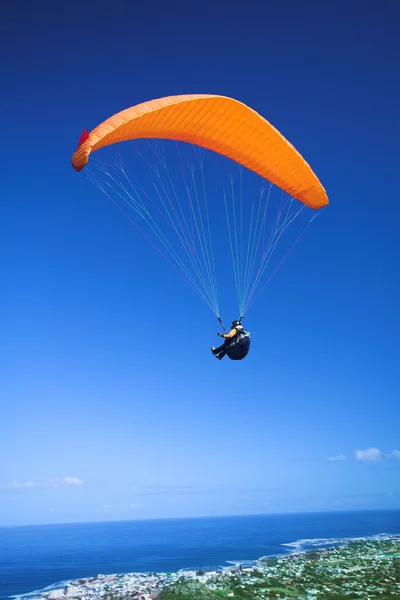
103,417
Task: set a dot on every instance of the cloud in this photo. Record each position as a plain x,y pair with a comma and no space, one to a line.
197,490
59,482
117,507
172,489
73,481
337,458
370,454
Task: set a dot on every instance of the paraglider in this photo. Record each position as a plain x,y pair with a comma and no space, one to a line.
236,344
178,222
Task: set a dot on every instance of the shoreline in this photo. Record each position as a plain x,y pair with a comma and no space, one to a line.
148,585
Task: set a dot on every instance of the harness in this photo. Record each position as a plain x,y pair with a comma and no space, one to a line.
239,346
241,334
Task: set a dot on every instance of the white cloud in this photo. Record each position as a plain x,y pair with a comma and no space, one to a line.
59,482
73,481
337,458
126,507
370,454
396,454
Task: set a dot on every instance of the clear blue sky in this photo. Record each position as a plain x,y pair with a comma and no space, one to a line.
102,419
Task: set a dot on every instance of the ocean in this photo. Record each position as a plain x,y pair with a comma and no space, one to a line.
34,557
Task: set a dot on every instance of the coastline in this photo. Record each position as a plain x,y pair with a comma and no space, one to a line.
149,585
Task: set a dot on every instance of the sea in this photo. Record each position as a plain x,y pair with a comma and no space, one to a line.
34,558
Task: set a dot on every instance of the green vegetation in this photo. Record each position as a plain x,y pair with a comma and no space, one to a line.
360,570
187,589
363,570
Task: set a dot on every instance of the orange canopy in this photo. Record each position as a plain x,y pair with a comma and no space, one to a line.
216,123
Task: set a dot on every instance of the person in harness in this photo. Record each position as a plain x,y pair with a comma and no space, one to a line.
236,344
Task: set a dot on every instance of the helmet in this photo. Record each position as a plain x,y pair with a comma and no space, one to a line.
235,323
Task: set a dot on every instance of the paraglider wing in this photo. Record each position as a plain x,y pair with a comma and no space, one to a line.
217,123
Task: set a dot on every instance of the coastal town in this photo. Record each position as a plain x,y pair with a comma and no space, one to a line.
361,569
